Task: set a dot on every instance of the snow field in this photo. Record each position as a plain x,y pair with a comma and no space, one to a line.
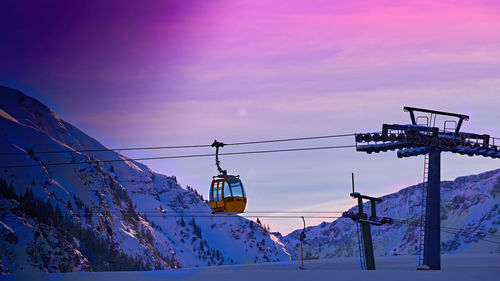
454,267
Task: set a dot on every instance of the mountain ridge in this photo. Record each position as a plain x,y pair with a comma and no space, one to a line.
470,218
113,203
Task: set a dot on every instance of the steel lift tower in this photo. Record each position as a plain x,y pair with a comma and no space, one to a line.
422,137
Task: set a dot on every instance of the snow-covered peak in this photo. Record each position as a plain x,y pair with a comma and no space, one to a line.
470,220
113,215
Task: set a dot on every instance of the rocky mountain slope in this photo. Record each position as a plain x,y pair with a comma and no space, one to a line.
470,222
89,215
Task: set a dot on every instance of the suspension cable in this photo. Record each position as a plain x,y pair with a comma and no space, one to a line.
210,212
215,216
292,139
448,228
179,156
177,146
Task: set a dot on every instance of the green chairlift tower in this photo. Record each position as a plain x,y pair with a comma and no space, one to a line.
367,259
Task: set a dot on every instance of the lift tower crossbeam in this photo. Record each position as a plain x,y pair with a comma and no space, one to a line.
416,139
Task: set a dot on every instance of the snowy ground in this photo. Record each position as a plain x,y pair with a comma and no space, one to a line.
455,268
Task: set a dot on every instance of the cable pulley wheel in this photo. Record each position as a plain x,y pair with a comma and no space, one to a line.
434,142
417,139
426,140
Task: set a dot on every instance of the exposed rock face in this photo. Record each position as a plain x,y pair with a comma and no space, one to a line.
470,220
103,215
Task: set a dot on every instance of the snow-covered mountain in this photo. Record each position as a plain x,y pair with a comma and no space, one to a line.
103,215
470,220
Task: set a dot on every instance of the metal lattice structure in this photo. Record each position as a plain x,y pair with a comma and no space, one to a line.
426,139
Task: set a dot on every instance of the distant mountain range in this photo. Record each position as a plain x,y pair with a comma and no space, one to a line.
103,216
470,220
90,215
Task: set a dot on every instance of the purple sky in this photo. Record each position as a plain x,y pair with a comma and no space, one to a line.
187,72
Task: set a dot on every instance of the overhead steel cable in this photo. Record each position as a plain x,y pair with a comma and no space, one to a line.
178,215
177,146
107,149
218,216
479,238
179,156
245,216
155,213
292,139
462,231
209,212
448,228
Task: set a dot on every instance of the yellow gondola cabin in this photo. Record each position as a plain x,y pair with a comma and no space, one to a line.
227,195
